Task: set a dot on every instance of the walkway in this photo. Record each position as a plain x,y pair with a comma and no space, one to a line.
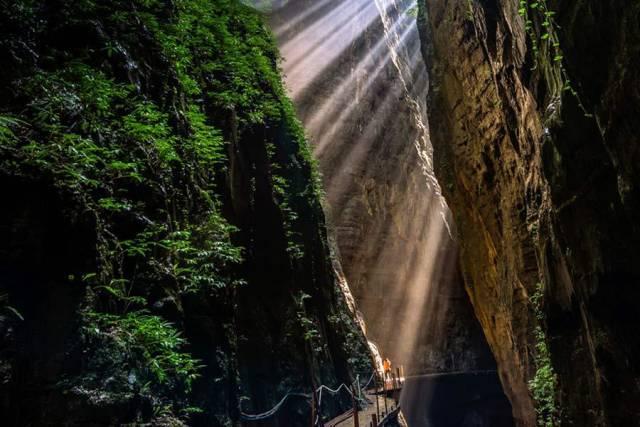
376,403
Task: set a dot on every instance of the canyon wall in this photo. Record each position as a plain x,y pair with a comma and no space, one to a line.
533,113
163,253
358,82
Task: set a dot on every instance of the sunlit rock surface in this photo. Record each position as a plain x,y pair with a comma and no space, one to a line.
358,83
544,193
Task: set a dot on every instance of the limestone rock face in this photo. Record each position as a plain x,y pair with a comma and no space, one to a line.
544,189
358,83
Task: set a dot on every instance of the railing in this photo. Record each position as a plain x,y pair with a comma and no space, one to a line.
355,392
271,412
392,383
315,400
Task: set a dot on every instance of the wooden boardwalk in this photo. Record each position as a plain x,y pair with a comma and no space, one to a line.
384,400
377,402
367,414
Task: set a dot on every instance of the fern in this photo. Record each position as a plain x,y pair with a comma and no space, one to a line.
157,345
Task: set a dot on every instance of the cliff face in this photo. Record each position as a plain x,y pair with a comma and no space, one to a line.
532,108
162,243
358,83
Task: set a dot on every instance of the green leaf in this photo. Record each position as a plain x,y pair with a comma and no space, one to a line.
14,311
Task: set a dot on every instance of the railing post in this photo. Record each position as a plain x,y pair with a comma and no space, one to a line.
384,396
313,408
356,421
377,401
374,419
396,394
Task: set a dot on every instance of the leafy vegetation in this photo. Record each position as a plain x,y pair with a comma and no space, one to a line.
544,385
413,11
133,125
154,344
306,323
7,124
109,147
546,21
547,54
541,28
470,10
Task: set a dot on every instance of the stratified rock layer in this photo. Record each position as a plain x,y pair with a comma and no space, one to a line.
543,185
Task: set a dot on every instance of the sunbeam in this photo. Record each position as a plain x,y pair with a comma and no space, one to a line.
357,90
359,83
232,212
336,122
293,21
308,53
361,77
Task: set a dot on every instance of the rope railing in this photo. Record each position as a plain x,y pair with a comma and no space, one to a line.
351,392
271,412
364,387
354,391
323,388
333,392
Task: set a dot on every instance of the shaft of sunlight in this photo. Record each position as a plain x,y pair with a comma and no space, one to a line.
355,71
363,77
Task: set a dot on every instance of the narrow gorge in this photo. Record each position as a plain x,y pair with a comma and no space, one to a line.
230,212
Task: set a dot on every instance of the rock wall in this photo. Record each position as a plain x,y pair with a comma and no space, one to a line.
358,85
532,110
163,253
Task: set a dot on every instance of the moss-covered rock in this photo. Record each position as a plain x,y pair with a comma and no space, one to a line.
161,188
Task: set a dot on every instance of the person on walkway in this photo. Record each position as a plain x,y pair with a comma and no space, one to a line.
386,365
